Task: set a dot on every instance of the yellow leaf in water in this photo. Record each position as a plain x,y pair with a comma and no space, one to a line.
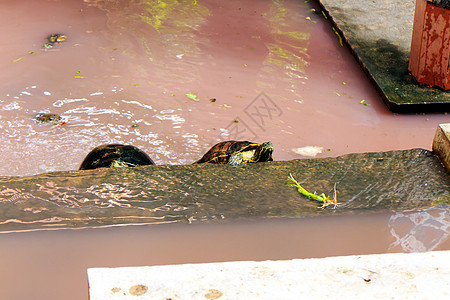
16,60
308,18
339,36
79,77
226,105
192,96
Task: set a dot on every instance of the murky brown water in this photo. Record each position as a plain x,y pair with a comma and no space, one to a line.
138,59
53,264
129,63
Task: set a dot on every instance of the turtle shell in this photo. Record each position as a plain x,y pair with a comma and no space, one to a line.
55,39
106,156
49,118
221,152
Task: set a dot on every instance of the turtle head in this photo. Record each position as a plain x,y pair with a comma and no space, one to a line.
263,152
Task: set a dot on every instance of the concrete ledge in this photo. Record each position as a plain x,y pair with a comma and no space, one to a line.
379,35
441,144
385,276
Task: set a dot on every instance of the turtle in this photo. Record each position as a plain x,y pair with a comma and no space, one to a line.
115,155
54,39
49,118
238,152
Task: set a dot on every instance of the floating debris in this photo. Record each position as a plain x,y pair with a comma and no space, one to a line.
309,19
339,36
192,97
310,151
16,60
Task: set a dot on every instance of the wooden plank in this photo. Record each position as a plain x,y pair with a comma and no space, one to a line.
446,52
422,75
416,43
434,51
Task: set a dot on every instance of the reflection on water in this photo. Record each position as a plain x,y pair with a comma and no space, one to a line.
53,204
288,53
420,230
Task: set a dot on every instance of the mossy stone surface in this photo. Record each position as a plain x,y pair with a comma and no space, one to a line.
365,182
379,35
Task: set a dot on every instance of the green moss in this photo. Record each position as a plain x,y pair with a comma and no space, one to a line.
441,200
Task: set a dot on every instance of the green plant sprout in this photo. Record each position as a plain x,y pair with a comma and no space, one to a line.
326,201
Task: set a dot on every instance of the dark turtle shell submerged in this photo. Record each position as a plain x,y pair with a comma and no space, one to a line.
115,155
238,152
49,118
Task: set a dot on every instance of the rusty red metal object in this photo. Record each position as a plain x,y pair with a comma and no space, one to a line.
430,46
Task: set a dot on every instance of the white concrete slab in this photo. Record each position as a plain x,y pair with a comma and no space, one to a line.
385,276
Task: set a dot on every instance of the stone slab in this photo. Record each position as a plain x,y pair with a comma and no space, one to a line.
379,35
384,276
441,144
365,182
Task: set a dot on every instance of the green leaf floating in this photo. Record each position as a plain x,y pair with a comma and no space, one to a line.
192,96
